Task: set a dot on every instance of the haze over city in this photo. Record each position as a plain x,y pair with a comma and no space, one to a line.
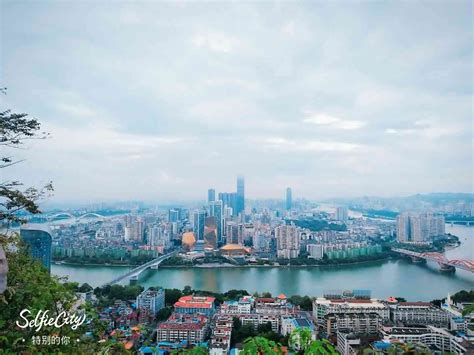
163,101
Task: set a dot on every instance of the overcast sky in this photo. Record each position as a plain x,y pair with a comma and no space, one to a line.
160,101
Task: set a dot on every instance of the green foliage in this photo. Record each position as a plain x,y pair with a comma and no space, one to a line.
31,287
110,293
172,296
197,350
301,342
15,128
261,346
468,310
164,313
176,261
463,296
305,302
316,225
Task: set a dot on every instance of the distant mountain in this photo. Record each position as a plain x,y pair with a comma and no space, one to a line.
414,202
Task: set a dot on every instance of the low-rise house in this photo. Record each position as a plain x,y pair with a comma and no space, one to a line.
191,328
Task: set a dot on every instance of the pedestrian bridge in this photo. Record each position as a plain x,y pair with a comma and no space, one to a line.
444,262
135,273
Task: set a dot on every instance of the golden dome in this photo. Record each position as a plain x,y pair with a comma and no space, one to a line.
232,247
188,240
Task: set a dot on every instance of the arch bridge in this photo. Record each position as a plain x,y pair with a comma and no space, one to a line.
443,261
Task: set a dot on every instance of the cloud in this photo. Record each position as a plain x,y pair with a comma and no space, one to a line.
149,98
323,119
215,42
309,145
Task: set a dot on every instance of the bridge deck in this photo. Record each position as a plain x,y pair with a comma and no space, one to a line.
138,270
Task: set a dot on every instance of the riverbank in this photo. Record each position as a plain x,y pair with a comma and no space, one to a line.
227,265
216,265
91,264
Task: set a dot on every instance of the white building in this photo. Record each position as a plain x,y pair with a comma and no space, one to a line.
323,306
429,336
290,323
153,300
288,241
244,305
419,228
347,342
418,313
315,251
341,214
358,323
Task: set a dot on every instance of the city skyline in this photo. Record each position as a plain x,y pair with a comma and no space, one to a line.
148,102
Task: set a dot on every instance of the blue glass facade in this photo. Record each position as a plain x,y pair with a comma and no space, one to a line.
39,244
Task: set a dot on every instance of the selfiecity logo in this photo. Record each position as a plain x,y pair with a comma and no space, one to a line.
43,319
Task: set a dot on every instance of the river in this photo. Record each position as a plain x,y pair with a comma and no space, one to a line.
384,278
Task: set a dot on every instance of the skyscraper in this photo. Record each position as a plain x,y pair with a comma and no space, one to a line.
418,227
211,195
199,217
3,270
216,209
240,200
341,213
210,233
289,199
38,238
173,215
229,199
288,241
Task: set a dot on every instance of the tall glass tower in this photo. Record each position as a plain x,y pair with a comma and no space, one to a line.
240,203
216,209
199,217
211,195
289,199
38,238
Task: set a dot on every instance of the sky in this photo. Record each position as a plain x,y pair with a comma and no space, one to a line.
160,101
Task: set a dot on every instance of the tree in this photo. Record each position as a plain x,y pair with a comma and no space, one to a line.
15,129
261,346
31,287
85,287
265,327
197,350
301,342
164,314
468,310
172,295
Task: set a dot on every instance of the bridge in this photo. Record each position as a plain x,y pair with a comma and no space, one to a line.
134,274
67,215
439,258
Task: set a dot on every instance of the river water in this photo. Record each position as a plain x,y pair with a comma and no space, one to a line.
384,278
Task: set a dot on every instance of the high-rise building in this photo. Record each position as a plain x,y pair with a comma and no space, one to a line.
288,241
210,233
216,209
199,217
289,199
419,227
229,199
173,215
38,238
232,233
341,213
240,203
3,270
211,195
227,212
